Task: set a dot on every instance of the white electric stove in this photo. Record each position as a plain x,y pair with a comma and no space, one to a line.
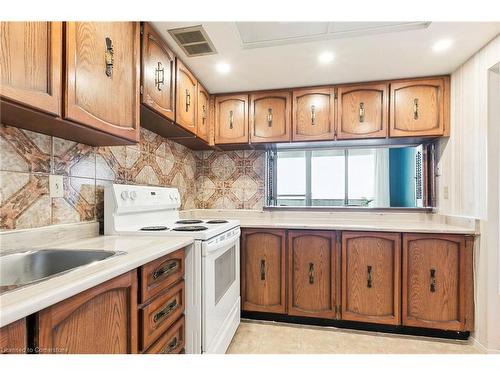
212,276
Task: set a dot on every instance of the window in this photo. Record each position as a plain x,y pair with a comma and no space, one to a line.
375,177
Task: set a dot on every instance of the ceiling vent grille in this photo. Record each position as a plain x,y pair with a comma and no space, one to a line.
193,40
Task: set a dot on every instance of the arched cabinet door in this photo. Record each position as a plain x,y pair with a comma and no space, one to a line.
420,108
231,119
203,114
371,277
312,273
362,111
103,76
313,114
263,259
158,74
185,109
270,117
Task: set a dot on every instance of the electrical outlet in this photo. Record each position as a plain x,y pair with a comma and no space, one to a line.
56,186
445,192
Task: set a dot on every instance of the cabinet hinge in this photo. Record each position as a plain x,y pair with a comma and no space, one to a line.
338,237
142,29
337,312
142,89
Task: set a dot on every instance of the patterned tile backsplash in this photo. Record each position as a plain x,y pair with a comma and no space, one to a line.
205,179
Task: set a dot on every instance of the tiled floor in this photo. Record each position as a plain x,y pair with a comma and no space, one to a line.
275,338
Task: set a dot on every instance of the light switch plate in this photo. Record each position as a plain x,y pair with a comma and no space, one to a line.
445,192
56,186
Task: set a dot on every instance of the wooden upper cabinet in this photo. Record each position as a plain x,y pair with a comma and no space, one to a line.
420,107
270,117
100,320
434,275
371,277
312,273
31,63
362,111
103,76
158,74
313,114
203,113
185,109
263,260
231,119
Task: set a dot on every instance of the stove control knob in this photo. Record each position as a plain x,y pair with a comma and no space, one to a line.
133,195
125,195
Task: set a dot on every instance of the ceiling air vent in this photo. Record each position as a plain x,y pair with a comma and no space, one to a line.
193,40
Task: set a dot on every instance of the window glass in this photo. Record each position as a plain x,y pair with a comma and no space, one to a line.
328,177
291,178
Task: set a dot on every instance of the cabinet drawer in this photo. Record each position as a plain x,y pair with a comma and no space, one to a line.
172,342
157,316
159,274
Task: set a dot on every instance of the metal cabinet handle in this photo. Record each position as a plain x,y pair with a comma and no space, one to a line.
170,346
159,76
369,280
415,109
433,280
269,117
231,119
311,273
262,269
203,114
188,100
166,269
163,313
109,57
313,115
361,112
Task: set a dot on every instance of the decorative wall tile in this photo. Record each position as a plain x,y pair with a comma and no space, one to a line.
111,163
73,159
78,203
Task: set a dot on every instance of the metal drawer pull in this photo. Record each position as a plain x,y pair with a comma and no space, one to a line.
361,112
188,100
163,313
171,346
415,109
313,115
311,275
109,57
262,269
231,119
369,280
269,117
167,269
433,280
159,76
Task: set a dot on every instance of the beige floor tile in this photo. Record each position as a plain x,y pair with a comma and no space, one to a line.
276,338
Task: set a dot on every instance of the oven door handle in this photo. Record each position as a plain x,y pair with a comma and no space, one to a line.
223,245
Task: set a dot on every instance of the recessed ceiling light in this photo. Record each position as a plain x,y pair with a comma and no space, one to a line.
223,67
325,57
442,45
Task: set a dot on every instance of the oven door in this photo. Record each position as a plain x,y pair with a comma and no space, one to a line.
221,291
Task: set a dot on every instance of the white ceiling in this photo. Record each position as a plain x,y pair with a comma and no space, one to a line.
274,60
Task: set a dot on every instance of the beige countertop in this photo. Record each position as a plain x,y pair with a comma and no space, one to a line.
140,250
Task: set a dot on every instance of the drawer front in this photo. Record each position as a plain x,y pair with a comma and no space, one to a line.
158,316
160,274
172,342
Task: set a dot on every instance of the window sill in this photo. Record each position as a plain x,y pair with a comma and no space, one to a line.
348,208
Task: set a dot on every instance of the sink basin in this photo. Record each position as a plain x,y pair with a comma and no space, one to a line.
26,267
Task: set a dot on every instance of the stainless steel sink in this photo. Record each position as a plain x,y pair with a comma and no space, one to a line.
26,267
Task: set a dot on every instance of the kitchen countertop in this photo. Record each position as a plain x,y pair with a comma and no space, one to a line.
139,250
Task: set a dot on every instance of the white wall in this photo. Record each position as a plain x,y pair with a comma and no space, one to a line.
463,167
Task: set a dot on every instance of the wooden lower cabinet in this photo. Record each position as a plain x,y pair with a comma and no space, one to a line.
172,341
312,272
371,277
437,278
13,338
263,268
99,320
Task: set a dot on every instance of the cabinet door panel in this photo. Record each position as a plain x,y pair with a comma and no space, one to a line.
434,281
418,108
103,76
371,285
31,63
13,338
158,74
263,283
101,320
313,114
312,274
185,110
362,111
203,112
270,116
231,119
